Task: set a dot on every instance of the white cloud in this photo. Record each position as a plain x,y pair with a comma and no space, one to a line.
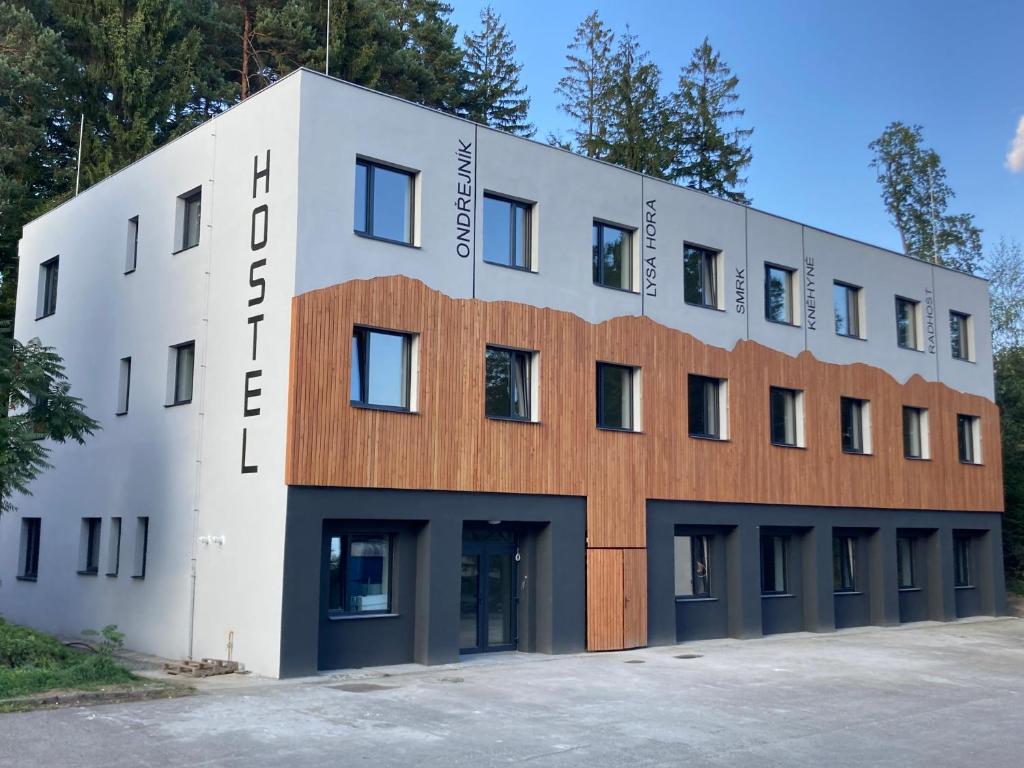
1015,157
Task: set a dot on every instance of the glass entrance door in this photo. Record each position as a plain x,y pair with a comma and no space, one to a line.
489,602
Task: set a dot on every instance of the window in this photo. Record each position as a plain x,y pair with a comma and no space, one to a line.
507,232
906,323
89,551
959,335
360,574
46,303
384,200
786,415
131,256
968,439
613,256
124,385
508,385
773,565
191,204
114,547
855,425
183,357
707,407
381,367
691,565
905,576
844,563
141,547
962,561
846,306
915,432
700,276
778,294
615,399
30,530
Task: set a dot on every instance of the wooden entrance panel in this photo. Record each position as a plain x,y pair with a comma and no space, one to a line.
634,595
616,599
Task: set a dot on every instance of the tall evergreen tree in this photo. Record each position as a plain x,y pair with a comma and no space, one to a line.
636,122
586,86
917,196
709,152
494,95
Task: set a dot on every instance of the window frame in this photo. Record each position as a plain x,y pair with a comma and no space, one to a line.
29,549
598,264
114,546
698,543
922,432
363,350
909,561
89,562
790,303
971,456
124,386
963,573
142,525
785,540
371,166
632,409
797,395
859,409
194,196
844,563
176,357
515,205
966,351
528,359
131,260
346,541
49,278
707,256
721,408
852,295
914,325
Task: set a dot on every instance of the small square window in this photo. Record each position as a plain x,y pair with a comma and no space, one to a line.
968,439
962,561
774,577
844,563
131,256
46,303
846,307
778,294
190,206
692,558
786,416
509,384
905,571
959,335
613,256
124,385
141,547
700,276
507,232
359,574
706,402
907,319
183,358
855,421
381,369
915,432
114,547
384,202
29,550
89,550
616,398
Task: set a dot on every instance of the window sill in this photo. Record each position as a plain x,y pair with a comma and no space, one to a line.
120,413
527,270
512,419
851,336
129,271
857,453
846,592
909,589
713,307
916,458
139,578
174,405
620,430
111,575
366,236
88,573
356,616
971,463
789,445
616,288
696,599
965,586
788,323
774,595
388,408
26,578
43,317
710,438
909,349
182,250
963,359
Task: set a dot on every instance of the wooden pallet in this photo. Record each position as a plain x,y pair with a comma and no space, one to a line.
202,668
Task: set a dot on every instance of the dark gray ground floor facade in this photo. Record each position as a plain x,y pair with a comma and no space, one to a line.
377,577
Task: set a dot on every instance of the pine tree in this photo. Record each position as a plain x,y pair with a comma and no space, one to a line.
494,95
636,123
709,154
586,86
917,197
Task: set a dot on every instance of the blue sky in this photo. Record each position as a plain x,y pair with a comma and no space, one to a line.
819,80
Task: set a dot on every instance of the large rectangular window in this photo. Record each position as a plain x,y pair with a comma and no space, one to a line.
183,358
915,432
700,276
615,400
613,256
778,294
89,558
844,563
359,574
706,400
968,439
114,547
692,555
846,307
131,257
906,323
962,561
905,573
46,300
507,232
30,530
786,417
959,335
381,369
124,385
508,384
773,565
384,202
191,205
855,431
141,547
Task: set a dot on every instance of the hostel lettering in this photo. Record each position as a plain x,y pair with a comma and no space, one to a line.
929,319
258,235
464,200
650,243
741,290
812,310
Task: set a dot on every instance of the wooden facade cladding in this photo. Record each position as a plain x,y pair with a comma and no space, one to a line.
448,444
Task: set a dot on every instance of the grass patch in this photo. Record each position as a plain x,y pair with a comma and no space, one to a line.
1015,585
33,662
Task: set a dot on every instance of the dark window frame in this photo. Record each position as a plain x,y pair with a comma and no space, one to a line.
122,407
49,278
179,349
796,393
844,563
527,209
527,361
916,308
963,352
700,543
32,529
772,537
598,263
708,275
346,541
854,407
93,531
188,199
790,303
141,555
966,438
132,261
367,231
631,370
852,294
705,383
116,542
361,334
922,438
962,570
909,562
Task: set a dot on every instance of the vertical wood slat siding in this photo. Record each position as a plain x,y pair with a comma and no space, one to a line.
605,600
634,597
450,445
